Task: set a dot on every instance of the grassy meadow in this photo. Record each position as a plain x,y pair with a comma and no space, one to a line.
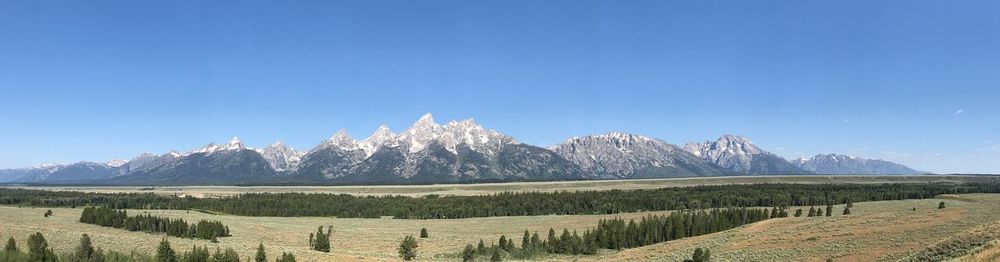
881,231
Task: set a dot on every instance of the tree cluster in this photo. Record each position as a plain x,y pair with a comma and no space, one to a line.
618,234
108,217
40,251
321,240
507,203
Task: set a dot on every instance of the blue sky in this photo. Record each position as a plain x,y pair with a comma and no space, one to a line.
915,82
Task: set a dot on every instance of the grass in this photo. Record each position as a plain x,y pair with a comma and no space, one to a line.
880,231
491,188
876,231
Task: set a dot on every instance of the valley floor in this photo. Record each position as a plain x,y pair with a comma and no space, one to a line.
876,231
492,188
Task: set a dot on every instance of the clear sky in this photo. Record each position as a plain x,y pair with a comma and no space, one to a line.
917,82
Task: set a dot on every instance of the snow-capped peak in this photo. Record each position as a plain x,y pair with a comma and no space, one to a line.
235,141
234,144
344,141
427,118
281,157
472,135
116,162
380,137
422,132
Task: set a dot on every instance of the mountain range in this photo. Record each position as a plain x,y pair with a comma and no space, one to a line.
455,152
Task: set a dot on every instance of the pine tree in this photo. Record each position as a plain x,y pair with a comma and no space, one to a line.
798,212
847,211
468,254
503,242
526,240
564,242
496,256
261,255
812,212
85,251
829,210
11,245
164,253
408,248
481,248
819,212
321,240
38,248
941,205
535,240
286,257
423,233
229,255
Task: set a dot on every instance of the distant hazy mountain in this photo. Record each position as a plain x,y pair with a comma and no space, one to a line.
738,154
841,164
42,171
459,151
621,155
82,171
143,162
214,164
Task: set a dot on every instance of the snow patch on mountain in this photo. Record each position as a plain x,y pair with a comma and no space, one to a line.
281,157
843,164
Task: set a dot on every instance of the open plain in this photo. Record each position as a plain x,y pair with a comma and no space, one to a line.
492,188
875,231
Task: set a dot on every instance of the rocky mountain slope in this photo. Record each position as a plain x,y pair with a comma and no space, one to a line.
620,155
842,164
458,151
738,154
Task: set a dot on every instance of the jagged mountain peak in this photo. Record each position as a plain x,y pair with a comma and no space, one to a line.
427,118
281,157
343,140
420,133
380,137
845,164
473,135
116,162
234,144
235,141
623,155
739,154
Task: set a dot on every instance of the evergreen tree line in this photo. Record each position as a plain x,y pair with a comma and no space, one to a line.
618,234
108,217
504,204
38,250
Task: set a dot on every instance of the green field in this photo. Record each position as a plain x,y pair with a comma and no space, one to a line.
875,231
882,231
491,188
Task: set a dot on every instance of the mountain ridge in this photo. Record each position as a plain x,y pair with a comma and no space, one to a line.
428,152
